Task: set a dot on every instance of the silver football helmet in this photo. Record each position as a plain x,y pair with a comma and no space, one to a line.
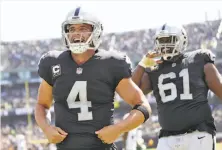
170,41
78,16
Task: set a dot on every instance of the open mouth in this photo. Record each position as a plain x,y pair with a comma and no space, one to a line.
78,40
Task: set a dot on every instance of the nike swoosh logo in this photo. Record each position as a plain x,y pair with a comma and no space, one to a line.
201,137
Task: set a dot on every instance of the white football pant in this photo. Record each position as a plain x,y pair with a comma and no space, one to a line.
190,141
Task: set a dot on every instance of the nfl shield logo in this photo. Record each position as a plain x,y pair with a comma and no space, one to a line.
79,70
174,64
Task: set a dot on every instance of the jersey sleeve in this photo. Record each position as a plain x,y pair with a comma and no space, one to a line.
44,68
122,69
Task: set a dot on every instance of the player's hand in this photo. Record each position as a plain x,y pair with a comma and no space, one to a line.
155,56
108,134
151,59
55,134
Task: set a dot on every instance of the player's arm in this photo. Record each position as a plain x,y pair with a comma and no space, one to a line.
141,111
140,77
213,79
145,85
212,76
138,74
44,102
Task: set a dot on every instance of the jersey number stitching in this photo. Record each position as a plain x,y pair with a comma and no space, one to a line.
80,88
186,95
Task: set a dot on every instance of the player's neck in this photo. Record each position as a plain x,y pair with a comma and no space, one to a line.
84,57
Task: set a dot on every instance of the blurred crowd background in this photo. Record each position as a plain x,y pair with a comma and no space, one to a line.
20,81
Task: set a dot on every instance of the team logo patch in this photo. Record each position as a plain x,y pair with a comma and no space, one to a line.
56,70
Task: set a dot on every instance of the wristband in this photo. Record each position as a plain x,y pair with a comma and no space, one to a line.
142,109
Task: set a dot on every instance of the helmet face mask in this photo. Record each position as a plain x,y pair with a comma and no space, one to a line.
79,41
168,46
79,37
78,33
170,41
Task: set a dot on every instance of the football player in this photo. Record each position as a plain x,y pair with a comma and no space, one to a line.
180,81
82,81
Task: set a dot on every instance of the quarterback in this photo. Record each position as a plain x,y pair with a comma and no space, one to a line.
82,81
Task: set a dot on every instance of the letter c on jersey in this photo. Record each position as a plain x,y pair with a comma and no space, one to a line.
56,70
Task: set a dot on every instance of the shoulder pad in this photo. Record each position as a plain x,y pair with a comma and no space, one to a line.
205,55
50,55
104,54
53,54
208,53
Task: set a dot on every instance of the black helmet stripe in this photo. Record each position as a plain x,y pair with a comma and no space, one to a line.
77,11
164,26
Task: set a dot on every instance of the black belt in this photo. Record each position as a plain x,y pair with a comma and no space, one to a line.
112,147
164,133
200,127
